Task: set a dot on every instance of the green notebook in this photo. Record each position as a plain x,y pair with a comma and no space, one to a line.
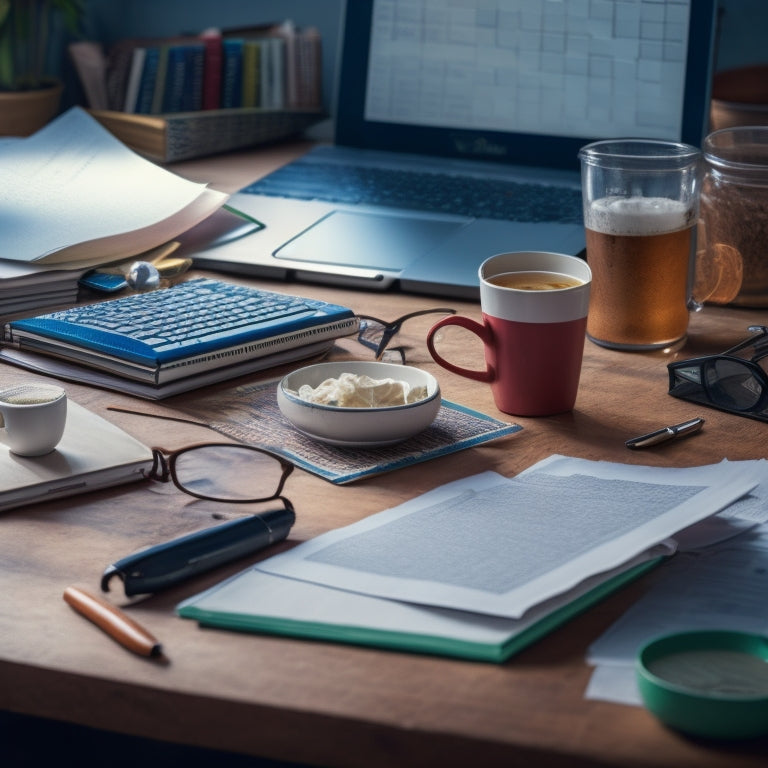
255,601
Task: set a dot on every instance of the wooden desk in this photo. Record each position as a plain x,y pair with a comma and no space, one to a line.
328,704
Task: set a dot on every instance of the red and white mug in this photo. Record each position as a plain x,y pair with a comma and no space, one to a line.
534,307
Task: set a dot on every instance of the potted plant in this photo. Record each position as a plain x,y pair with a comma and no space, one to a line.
29,30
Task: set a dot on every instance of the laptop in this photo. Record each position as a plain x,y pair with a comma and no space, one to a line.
482,100
93,454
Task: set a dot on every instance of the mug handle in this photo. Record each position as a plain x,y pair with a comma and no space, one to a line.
480,330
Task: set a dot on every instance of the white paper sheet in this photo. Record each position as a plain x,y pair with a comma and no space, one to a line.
71,192
498,546
720,586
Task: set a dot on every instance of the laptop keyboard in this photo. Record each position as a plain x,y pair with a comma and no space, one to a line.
431,192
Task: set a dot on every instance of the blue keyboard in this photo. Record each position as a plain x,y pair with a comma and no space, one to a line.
190,318
420,191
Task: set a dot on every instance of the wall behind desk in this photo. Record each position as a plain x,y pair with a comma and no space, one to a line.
743,34
111,20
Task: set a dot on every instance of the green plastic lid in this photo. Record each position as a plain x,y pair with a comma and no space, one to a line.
707,683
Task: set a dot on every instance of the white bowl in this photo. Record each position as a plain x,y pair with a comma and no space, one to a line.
361,427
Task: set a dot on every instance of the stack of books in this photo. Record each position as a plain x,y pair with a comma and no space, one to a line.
274,66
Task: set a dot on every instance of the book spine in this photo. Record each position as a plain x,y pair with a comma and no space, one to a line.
192,92
159,92
147,85
278,73
232,73
91,65
118,65
291,88
173,94
309,69
266,73
134,79
212,74
252,90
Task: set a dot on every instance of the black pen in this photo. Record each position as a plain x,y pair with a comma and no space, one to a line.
165,565
666,433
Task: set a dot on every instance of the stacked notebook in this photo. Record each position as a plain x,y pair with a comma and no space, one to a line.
178,338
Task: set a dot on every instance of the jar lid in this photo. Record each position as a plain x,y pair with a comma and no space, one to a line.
743,149
711,683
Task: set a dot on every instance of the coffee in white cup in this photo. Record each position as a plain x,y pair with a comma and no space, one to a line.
32,417
534,315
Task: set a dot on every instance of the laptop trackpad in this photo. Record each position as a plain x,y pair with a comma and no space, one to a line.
372,240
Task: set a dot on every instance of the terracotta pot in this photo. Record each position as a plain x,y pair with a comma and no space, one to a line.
24,112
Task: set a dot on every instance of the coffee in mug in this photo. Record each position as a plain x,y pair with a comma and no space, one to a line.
534,311
534,281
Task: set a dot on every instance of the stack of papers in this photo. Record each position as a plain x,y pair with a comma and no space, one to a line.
25,287
480,567
719,580
73,197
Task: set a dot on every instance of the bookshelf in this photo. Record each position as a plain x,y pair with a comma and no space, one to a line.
182,97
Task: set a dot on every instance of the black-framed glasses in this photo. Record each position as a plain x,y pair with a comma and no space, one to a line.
377,335
726,382
228,472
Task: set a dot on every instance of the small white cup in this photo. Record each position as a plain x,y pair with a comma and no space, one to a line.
33,417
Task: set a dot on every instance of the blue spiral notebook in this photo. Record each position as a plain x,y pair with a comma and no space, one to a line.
189,328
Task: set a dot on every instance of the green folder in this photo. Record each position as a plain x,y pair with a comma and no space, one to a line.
256,601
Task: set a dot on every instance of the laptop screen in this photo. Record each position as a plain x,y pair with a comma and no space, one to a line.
524,81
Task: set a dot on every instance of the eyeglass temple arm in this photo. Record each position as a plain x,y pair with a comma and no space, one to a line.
393,327
751,341
395,324
167,564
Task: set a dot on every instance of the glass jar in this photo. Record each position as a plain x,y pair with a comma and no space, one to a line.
732,252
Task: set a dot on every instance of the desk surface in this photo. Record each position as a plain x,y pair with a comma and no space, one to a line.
329,704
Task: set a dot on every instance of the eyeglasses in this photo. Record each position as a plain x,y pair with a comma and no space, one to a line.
726,382
228,472
377,334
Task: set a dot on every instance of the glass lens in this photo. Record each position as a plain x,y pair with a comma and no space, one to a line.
228,473
374,335
371,333
733,384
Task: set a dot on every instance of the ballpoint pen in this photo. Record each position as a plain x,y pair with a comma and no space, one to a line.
114,622
666,433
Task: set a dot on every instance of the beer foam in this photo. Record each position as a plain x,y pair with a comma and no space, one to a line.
638,215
